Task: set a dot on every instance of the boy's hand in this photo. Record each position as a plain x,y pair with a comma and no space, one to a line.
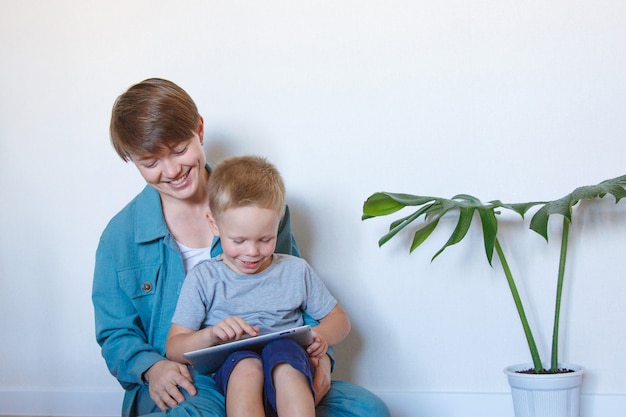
231,328
319,346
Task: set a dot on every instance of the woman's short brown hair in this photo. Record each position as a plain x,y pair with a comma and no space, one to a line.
152,115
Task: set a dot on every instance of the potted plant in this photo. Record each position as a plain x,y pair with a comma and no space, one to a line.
468,208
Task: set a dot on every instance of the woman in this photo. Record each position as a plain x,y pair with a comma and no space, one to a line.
145,250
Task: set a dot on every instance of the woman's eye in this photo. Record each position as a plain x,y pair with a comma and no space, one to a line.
180,151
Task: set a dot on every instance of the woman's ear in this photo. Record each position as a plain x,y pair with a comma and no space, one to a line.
201,130
212,224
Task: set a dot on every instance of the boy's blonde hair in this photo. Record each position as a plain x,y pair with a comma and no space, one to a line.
245,181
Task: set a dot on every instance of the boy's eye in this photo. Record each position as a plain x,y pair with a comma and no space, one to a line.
149,164
180,151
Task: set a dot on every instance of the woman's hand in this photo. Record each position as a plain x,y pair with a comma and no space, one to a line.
321,377
319,347
164,380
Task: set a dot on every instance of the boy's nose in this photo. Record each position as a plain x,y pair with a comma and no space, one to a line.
252,249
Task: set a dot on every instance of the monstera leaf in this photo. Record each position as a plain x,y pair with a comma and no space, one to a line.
465,206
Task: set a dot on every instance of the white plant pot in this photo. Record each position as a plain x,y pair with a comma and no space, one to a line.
545,395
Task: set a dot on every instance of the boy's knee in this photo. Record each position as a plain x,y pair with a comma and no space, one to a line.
286,371
248,368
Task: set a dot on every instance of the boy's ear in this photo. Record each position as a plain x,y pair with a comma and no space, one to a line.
212,224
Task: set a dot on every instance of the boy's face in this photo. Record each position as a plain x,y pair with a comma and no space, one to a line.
248,236
178,172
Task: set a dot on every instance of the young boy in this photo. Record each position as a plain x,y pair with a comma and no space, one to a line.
251,289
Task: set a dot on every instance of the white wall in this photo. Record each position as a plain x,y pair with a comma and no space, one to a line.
501,99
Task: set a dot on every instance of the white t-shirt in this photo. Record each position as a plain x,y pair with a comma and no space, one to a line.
193,256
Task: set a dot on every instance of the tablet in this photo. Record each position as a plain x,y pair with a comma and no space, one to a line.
207,360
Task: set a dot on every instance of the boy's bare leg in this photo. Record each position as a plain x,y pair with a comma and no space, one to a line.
244,394
293,392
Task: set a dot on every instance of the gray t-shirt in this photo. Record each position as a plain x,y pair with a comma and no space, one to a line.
273,299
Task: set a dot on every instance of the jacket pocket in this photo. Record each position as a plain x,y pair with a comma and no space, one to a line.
139,282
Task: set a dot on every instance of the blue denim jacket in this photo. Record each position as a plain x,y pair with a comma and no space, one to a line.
138,274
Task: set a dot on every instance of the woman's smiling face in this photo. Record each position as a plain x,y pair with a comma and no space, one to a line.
177,172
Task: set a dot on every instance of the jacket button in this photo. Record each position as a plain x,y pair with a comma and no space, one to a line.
146,287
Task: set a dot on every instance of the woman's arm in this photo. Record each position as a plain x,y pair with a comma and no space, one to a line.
123,340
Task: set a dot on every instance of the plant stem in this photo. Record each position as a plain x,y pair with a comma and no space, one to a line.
534,352
554,365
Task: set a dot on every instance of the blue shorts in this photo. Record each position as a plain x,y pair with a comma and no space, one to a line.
274,353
